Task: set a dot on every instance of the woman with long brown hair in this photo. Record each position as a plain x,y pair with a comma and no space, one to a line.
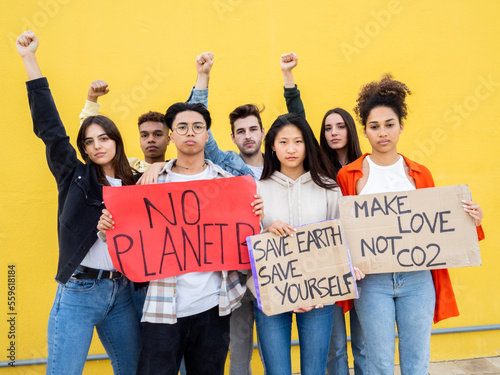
90,293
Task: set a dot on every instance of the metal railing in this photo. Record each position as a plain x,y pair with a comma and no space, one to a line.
100,357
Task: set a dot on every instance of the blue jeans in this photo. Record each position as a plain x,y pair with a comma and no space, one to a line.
241,337
406,299
79,306
337,363
275,336
138,298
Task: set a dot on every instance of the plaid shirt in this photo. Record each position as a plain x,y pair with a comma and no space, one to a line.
161,300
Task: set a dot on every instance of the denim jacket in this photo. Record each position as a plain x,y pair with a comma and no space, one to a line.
230,161
79,191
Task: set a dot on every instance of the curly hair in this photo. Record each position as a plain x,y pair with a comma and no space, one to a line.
384,93
151,116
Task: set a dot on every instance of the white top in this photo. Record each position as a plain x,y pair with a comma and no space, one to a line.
196,291
385,179
257,172
98,255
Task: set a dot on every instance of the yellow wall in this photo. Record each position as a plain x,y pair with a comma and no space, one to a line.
446,51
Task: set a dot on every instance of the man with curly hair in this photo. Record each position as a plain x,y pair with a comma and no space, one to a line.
154,138
153,131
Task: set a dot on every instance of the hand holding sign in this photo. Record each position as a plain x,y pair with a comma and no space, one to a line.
105,222
474,210
358,275
281,228
412,230
258,206
299,273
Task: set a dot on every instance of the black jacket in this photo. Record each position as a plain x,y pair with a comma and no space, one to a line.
80,193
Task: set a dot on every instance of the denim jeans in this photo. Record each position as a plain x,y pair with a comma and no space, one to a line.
337,363
138,298
203,340
241,337
406,299
79,306
275,336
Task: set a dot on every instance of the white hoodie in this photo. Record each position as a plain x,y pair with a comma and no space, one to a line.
297,202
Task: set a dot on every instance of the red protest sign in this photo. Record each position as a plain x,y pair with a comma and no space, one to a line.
173,228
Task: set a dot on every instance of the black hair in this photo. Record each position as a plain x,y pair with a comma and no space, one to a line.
315,160
177,108
353,148
384,93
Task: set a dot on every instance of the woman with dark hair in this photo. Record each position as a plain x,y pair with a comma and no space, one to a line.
296,189
409,300
119,164
314,161
90,292
339,141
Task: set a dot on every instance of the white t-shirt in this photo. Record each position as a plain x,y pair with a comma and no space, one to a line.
257,172
98,255
196,291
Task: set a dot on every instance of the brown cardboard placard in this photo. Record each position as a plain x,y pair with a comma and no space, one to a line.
312,267
410,230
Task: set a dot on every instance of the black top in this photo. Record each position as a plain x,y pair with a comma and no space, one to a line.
80,194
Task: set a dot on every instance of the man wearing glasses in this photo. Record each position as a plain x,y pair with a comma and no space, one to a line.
188,315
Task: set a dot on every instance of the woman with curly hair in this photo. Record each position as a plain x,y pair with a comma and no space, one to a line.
409,300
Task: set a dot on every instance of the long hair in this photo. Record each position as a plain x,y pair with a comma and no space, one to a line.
315,160
353,149
120,163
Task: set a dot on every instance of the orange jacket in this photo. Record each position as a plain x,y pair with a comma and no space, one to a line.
446,305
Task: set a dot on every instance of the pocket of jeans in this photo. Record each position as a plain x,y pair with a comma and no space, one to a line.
80,285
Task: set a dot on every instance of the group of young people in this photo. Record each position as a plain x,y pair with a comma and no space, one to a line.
189,322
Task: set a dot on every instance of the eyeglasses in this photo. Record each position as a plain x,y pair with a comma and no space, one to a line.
183,129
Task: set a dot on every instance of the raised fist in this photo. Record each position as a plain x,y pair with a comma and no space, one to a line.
289,61
96,89
204,62
27,43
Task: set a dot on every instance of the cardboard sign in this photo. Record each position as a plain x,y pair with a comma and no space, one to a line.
411,230
310,268
173,228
